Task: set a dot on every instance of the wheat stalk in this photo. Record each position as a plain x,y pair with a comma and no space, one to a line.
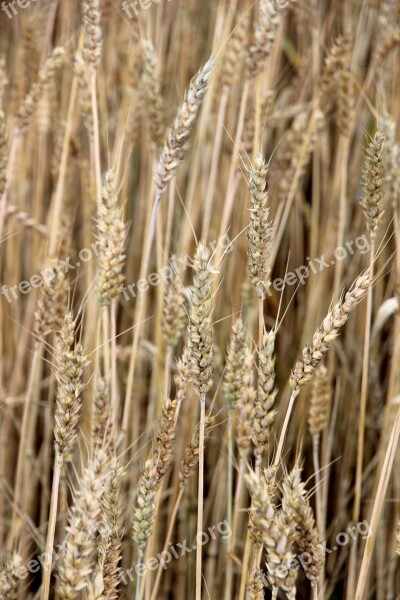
322,339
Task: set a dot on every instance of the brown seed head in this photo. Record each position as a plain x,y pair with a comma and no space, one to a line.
200,342
259,233
235,367
91,19
173,151
327,332
373,175
318,416
264,413
71,362
174,313
111,236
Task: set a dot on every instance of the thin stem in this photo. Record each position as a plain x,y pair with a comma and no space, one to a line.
361,428
214,167
200,492
260,319
19,480
8,176
285,426
378,505
229,495
364,391
171,525
62,172
114,377
320,519
51,527
319,501
96,136
246,557
139,316
138,580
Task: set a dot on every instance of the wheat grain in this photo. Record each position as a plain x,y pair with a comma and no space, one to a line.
373,183
173,150
259,234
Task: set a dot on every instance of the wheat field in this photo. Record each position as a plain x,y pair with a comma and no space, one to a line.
200,275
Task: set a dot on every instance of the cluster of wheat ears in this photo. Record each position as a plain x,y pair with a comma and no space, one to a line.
253,139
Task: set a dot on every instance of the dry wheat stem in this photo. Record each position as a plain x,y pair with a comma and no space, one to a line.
377,507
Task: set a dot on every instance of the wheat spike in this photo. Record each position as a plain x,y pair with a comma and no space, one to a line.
318,416
166,437
255,585
190,460
244,409
259,234
52,302
264,413
200,323
173,150
296,504
235,368
46,74
264,37
373,175
81,71
70,366
144,512
236,50
91,19
111,235
174,314
272,527
9,578
327,332
111,531
77,560
101,418
152,87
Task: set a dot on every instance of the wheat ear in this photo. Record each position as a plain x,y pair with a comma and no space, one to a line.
373,180
173,151
296,505
275,530
152,87
164,171
200,344
264,412
77,560
322,339
71,362
318,419
92,40
263,38
46,74
9,578
255,585
111,531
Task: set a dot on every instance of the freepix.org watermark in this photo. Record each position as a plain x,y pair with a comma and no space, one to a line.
129,291
176,266
176,551
9,8
316,265
305,559
132,9
163,558
45,276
